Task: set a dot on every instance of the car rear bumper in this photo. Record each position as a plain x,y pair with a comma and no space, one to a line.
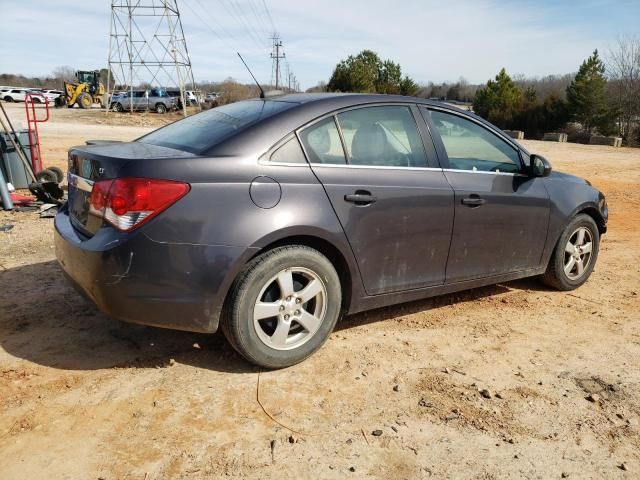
140,280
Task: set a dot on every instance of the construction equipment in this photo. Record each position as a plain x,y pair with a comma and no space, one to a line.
87,91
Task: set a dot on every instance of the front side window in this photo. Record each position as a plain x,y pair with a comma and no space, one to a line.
382,136
322,143
472,147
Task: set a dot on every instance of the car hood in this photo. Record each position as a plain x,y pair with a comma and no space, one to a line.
566,177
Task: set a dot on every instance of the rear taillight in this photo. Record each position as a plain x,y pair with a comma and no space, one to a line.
126,203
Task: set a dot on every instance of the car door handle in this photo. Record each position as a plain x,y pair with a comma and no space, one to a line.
360,197
473,201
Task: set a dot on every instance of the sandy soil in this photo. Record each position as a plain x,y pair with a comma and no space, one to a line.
85,396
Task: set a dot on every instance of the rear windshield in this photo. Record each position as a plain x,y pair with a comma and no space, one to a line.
198,133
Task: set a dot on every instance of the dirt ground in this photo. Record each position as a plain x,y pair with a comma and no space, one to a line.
85,396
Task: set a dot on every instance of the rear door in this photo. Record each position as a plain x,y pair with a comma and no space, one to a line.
501,213
392,199
140,100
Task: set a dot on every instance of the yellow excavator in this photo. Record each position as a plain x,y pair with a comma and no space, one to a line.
85,92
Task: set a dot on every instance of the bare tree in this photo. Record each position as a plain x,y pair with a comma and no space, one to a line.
623,69
64,73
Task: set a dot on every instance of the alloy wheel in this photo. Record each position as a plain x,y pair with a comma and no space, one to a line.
290,308
577,253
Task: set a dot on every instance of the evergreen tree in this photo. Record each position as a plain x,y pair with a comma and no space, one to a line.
586,99
499,101
367,73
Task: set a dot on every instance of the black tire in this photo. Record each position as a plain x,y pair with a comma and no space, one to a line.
161,108
555,276
237,319
36,100
84,100
117,107
59,173
47,175
8,99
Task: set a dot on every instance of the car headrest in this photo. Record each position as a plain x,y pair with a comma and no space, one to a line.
369,142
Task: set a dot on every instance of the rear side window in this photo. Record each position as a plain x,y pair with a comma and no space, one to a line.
322,143
382,136
198,133
472,147
290,152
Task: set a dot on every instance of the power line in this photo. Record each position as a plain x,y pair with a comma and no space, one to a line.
273,25
261,20
235,10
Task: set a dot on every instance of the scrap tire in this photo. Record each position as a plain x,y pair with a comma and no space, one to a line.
59,173
47,175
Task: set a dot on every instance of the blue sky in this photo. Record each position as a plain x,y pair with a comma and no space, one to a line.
432,40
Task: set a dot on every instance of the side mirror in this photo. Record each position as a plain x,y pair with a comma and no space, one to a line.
539,166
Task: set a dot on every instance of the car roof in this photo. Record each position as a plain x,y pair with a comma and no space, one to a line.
338,100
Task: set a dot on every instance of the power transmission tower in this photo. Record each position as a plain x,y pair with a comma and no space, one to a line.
147,46
276,56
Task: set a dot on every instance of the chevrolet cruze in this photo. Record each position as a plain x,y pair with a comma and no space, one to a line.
271,218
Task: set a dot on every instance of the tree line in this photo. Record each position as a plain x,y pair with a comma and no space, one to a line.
602,97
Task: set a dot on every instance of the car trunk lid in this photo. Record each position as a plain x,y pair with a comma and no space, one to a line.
90,164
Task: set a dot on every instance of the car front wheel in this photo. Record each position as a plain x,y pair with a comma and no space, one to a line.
575,254
283,306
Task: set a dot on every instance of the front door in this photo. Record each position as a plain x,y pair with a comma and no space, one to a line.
501,213
394,205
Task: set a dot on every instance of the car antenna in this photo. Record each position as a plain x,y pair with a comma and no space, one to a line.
252,76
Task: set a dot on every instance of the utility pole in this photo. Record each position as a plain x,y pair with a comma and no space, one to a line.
276,56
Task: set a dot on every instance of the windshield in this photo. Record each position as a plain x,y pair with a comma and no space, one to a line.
198,133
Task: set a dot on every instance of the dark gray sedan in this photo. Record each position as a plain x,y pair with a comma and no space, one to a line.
273,217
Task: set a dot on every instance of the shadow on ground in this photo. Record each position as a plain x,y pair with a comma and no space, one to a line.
45,321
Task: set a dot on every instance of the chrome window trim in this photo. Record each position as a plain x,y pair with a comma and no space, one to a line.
282,164
511,174
80,183
375,167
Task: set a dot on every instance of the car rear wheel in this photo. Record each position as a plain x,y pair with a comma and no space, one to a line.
160,108
8,99
575,254
283,306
